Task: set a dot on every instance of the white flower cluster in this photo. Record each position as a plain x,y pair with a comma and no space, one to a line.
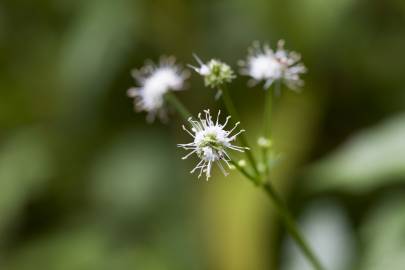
155,81
215,72
210,143
211,140
263,64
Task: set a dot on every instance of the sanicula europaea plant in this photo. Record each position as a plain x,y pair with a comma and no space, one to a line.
212,140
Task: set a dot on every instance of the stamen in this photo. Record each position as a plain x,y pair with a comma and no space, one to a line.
196,69
199,61
222,168
227,163
202,169
236,124
226,121
208,170
189,154
219,112
186,130
197,166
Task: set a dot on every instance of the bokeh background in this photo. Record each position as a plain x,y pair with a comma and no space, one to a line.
86,184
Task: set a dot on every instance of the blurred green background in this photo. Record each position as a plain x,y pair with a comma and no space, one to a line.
85,183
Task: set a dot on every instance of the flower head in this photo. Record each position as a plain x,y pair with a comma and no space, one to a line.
263,64
155,81
211,142
215,72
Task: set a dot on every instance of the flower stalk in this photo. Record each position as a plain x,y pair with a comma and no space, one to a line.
177,105
291,225
281,208
211,139
232,111
265,145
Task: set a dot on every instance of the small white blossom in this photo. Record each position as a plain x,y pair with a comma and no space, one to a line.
263,64
215,72
264,142
261,167
211,143
155,81
242,163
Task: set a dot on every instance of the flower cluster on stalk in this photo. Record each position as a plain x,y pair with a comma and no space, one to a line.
211,141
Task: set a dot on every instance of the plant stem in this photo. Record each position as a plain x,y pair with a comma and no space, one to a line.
233,112
180,108
291,225
281,207
268,113
252,178
267,128
286,217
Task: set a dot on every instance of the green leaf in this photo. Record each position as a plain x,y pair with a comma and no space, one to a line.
383,237
24,168
368,160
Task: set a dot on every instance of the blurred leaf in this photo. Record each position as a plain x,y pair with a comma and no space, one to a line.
89,247
368,160
383,236
95,48
131,173
81,249
24,168
326,226
317,19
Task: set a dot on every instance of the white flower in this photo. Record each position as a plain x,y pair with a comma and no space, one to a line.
215,72
155,81
210,143
263,64
264,142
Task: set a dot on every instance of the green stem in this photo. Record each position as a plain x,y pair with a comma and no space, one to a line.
292,227
268,113
242,139
180,108
285,214
242,170
267,129
281,208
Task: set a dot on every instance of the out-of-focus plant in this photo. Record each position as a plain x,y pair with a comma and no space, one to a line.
212,141
365,162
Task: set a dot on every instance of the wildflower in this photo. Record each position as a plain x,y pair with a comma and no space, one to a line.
155,81
211,143
263,64
215,72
